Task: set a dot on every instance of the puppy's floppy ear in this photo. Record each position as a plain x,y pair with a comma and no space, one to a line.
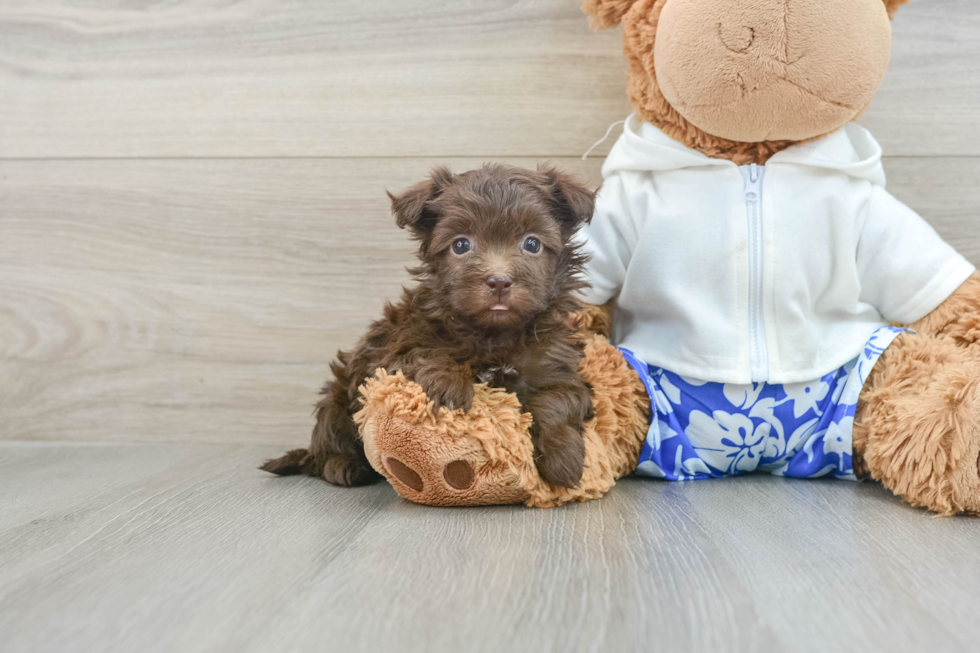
604,14
412,209
893,5
573,203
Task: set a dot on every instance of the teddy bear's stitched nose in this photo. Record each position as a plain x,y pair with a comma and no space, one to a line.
459,474
405,474
738,39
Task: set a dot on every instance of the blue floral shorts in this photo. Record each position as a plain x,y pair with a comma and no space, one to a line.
709,430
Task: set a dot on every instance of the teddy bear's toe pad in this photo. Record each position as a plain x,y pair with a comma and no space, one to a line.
405,474
459,474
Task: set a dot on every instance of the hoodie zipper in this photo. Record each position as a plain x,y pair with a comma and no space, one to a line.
753,176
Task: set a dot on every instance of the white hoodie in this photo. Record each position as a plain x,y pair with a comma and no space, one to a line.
743,274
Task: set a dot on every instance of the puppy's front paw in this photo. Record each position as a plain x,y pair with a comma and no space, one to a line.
561,456
348,473
451,394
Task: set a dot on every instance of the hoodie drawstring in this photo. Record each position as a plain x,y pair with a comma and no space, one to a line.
603,139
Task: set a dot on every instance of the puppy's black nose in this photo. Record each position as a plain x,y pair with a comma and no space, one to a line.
500,283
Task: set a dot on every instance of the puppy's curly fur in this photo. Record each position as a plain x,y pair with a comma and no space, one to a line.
497,274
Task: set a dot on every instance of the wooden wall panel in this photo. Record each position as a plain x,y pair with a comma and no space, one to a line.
380,78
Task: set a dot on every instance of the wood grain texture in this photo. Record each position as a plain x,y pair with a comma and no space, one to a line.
294,78
203,300
380,78
944,191
187,547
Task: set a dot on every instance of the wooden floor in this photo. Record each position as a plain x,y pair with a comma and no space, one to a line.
116,547
193,220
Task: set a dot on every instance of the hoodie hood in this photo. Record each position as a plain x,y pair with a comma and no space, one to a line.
851,150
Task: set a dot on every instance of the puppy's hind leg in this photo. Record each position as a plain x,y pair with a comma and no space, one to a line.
336,453
336,449
297,461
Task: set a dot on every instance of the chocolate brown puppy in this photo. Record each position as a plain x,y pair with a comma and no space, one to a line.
495,287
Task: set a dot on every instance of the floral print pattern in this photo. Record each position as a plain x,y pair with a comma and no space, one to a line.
709,430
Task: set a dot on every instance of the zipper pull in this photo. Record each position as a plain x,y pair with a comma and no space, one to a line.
753,183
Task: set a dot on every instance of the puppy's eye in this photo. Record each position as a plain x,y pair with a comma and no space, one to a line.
461,246
532,245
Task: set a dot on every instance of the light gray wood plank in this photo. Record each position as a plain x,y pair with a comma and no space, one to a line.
203,300
845,567
376,78
328,78
927,103
185,547
73,536
944,191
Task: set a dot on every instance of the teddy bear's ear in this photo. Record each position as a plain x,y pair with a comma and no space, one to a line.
573,203
412,210
893,5
604,14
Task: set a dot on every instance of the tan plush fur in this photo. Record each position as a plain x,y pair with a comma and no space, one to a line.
604,14
917,429
893,5
398,423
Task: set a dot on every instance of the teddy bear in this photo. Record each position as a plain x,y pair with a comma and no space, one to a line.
776,309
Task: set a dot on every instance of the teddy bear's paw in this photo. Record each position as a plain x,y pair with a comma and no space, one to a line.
430,465
438,479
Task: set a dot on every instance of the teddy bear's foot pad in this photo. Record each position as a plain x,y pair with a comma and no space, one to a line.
405,474
458,474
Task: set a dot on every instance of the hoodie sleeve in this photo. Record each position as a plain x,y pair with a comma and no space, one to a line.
609,240
906,269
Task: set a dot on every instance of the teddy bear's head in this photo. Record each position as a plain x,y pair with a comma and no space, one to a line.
744,79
